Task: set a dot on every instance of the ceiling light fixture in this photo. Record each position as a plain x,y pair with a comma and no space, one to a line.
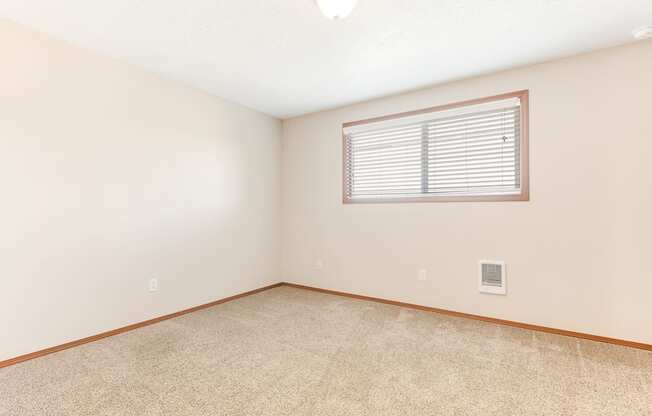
336,9
641,33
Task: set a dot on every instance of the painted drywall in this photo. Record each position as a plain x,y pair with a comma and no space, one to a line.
577,253
110,176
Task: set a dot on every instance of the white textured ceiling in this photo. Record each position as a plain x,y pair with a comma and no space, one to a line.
283,58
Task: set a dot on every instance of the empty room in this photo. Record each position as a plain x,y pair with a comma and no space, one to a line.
326,207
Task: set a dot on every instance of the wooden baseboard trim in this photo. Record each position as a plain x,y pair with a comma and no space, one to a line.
563,332
41,353
131,327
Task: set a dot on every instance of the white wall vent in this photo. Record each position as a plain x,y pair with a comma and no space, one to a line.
492,277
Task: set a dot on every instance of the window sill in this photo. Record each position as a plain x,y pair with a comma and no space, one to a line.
522,197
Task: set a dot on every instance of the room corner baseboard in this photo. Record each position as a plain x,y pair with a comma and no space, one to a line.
563,332
131,327
71,344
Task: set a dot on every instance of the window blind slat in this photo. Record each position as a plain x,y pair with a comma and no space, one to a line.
382,174
500,169
468,163
472,174
386,157
501,119
359,154
397,179
505,148
461,156
396,162
441,137
385,136
388,143
474,117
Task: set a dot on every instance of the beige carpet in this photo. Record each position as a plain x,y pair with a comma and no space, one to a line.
295,352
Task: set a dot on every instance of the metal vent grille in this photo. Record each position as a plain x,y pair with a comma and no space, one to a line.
492,277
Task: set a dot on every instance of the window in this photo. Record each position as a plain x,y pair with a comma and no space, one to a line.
469,151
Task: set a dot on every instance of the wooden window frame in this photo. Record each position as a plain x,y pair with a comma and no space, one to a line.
524,195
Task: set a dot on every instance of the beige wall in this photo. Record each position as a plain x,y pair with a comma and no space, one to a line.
577,253
110,175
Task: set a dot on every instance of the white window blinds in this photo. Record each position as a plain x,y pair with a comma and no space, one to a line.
465,151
